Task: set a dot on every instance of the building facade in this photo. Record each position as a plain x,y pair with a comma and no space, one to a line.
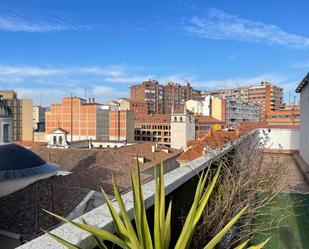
182,129
22,115
226,110
84,120
237,111
162,99
38,118
155,128
303,89
150,92
267,95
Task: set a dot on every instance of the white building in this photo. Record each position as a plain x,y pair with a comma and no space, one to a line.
38,118
182,129
303,89
202,108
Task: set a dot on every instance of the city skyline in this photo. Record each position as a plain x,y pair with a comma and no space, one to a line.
54,49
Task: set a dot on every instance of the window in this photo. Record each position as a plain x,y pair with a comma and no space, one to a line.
6,133
180,119
60,140
54,140
175,119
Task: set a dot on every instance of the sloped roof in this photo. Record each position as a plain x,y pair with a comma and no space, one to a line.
155,118
207,120
22,211
303,83
59,129
17,161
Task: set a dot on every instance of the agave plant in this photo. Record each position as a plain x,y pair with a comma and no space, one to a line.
140,238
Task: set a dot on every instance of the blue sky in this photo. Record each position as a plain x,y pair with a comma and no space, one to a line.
49,49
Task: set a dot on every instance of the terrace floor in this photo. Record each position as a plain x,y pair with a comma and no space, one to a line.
290,207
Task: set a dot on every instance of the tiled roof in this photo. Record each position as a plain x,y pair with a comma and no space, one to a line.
207,120
21,211
214,139
60,129
253,125
97,165
155,118
30,143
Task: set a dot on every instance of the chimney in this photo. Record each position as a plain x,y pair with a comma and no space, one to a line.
153,148
92,100
89,100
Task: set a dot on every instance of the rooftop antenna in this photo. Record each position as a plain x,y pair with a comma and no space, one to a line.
86,91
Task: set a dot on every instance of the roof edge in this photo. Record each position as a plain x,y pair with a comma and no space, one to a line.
302,83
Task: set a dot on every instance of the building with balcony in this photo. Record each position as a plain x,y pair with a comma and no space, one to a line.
162,99
268,96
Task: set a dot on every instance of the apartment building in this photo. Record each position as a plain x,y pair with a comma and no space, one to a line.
226,110
22,115
178,127
237,111
124,104
176,95
150,92
162,99
38,118
153,127
267,95
83,120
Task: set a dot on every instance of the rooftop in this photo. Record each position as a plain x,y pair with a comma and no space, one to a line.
302,84
207,120
92,169
155,118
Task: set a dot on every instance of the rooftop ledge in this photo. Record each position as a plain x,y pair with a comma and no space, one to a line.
100,216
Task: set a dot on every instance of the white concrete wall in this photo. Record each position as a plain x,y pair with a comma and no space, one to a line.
182,131
304,124
285,139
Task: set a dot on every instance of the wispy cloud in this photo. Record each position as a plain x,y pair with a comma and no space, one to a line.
302,64
220,25
13,21
241,81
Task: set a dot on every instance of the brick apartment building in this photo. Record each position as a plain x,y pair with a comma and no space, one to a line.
161,99
84,120
139,108
267,95
150,92
22,115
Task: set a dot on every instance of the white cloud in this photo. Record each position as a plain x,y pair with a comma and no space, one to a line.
302,64
13,21
115,74
220,25
241,81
